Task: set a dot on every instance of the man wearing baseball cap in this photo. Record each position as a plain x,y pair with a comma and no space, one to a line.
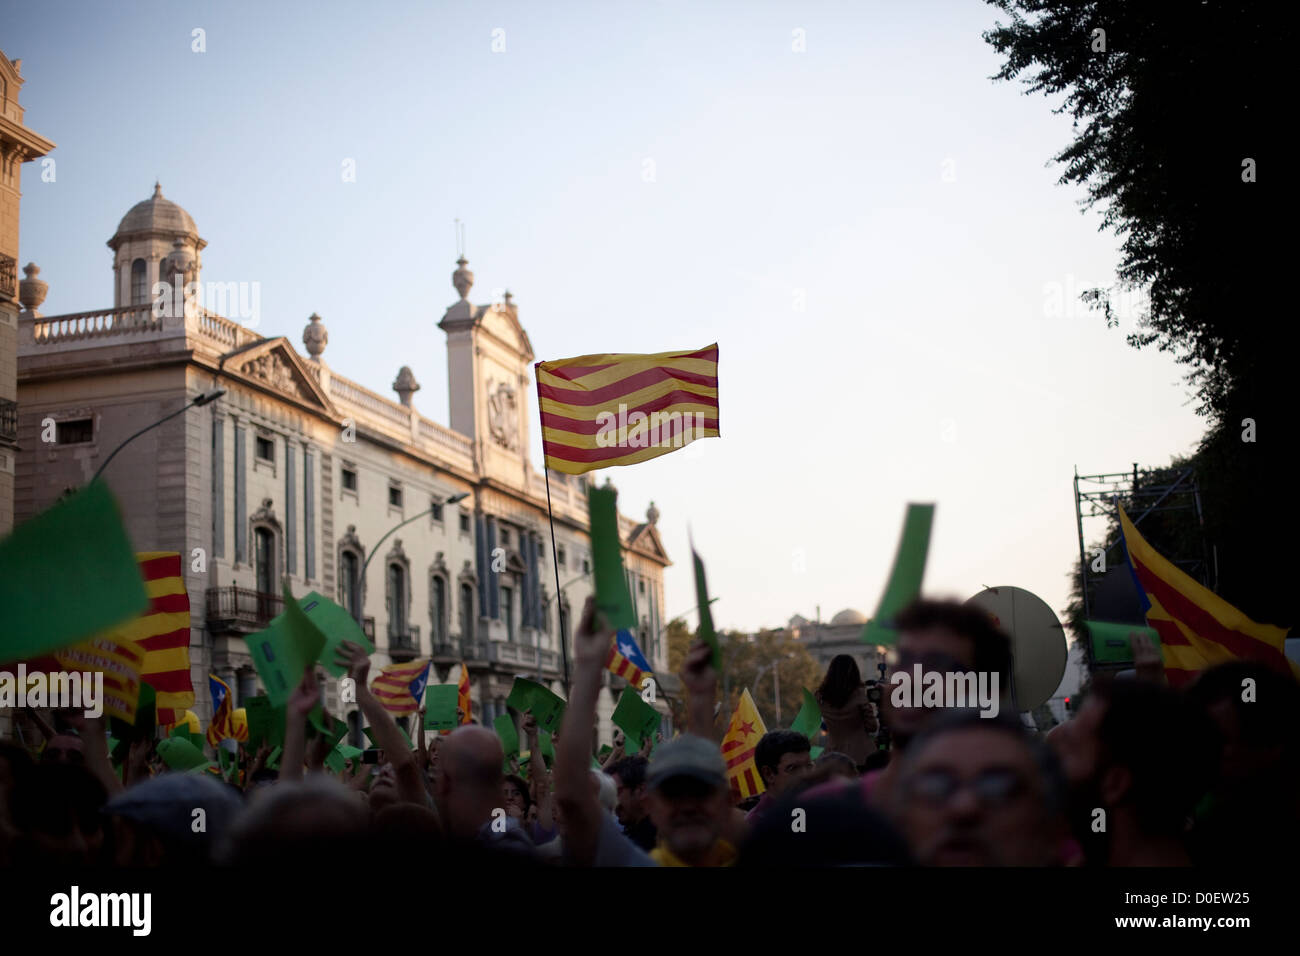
686,781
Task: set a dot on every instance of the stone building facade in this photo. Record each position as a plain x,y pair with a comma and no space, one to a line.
18,145
841,635
299,473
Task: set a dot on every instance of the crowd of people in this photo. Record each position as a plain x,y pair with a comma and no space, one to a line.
1139,775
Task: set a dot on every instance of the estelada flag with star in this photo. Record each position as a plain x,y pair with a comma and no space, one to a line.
738,745
626,660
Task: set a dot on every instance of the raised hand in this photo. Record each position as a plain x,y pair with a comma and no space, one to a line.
592,638
355,659
306,695
697,670
1148,661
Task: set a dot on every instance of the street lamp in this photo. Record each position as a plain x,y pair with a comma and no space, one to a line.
199,401
361,576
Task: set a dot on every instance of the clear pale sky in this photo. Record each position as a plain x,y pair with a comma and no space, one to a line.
885,335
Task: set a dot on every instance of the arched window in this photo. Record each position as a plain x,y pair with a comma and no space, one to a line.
139,283
398,627
438,609
264,570
349,582
466,613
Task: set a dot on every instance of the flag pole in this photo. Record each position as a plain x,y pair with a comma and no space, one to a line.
555,558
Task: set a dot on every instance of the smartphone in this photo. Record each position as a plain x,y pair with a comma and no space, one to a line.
370,756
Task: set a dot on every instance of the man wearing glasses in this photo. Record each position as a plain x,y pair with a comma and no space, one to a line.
981,792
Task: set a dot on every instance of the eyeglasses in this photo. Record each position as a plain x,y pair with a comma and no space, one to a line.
993,787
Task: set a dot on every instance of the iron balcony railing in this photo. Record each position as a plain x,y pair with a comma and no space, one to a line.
235,607
8,420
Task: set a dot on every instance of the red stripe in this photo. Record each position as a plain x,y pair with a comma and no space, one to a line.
169,682
155,569
737,761
162,642
591,426
169,604
1203,624
749,779
1169,633
624,386
570,372
587,455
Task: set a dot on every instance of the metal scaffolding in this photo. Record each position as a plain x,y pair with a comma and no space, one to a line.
1095,497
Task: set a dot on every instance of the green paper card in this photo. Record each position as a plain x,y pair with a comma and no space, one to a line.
613,599
284,651
547,707
336,625
604,752
809,720
1110,642
547,747
816,752
273,758
440,706
179,754
349,752
706,632
638,720
504,725
335,761
260,715
905,580
68,574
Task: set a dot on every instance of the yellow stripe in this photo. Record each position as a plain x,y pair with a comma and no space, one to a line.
605,358
631,399
632,458
155,624
622,369
161,586
684,427
179,700
171,659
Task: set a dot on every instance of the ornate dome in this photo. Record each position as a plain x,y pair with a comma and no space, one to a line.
848,616
156,215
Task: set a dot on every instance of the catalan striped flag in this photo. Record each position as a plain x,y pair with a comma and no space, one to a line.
626,660
120,664
163,634
604,410
743,735
392,687
462,694
221,726
1197,628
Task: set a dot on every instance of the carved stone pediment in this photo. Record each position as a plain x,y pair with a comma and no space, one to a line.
274,365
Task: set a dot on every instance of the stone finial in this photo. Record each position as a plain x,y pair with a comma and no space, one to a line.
157,190
510,300
315,337
181,260
31,291
406,385
462,278
652,514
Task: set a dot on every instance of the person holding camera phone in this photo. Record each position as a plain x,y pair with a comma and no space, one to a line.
847,711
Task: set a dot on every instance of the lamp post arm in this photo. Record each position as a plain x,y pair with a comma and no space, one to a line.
179,411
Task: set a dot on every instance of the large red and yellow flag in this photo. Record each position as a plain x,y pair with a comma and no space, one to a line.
1197,628
163,634
604,410
743,735
120,664
462,694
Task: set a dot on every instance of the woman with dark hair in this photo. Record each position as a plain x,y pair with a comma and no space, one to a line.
846,711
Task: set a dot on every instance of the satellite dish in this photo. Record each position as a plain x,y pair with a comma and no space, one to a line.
1038,646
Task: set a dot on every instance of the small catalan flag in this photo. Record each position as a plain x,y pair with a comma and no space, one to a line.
626,660
738,746
620,409
462,694
392,687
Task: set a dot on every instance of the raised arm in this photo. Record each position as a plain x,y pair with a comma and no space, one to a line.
388,737
573,789
301,702
701,682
